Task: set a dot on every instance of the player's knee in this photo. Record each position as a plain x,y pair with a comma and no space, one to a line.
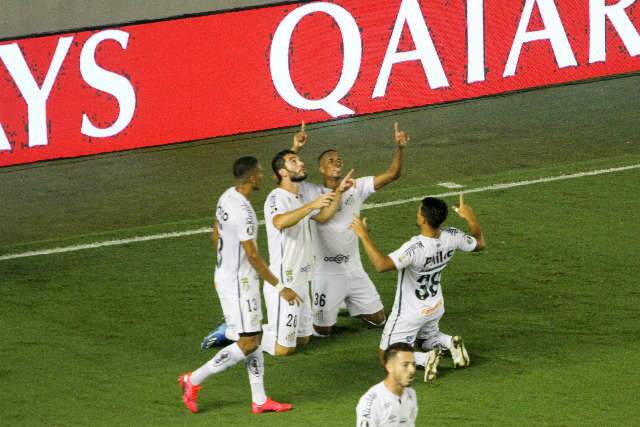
284,351
322,330
376,319
249,344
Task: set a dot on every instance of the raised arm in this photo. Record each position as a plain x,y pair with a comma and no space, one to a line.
381,262
394,170
256,261
291,218
299,139
466,213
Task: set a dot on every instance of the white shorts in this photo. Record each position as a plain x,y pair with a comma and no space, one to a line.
242,308
408,326
287,322
355,289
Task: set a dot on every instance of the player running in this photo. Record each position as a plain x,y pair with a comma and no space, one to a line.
287,213
236,280
339,276
419,303
391,402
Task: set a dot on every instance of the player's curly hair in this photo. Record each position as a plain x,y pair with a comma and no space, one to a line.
396,348
434,210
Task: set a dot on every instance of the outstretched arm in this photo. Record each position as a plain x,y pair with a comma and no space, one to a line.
256,261
291,218
328,212
466,213
395,168
380,261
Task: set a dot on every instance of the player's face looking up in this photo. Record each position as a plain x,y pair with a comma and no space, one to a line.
331,165
295,168
402,368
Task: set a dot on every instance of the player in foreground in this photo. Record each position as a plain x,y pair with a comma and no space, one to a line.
419,303
287,213
339,275
391,402
236,279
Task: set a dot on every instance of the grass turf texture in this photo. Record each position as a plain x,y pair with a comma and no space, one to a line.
549,311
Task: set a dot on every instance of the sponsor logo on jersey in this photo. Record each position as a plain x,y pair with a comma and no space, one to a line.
251,229
409,339
428,311
439,258
305,269
338,259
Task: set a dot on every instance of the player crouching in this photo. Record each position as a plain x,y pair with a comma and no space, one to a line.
419,304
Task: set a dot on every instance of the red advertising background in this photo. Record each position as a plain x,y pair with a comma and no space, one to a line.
209,76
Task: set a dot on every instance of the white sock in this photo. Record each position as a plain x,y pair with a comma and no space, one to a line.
225,358
255,369
420,358
268,343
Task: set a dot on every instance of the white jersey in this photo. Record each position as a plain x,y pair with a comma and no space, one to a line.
237,222
335,245
420,263
290,253
379,407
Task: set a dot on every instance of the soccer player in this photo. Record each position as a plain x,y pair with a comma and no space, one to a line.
419,304
287,213
339,276
391,402
236,280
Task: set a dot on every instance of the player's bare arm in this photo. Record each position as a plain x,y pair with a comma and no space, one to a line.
328,212
381,262
465,212
258,264
299,139
291,218
395,168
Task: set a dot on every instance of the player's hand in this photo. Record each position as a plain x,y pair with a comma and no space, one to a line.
401,136
347,182
299,139
322,201
359,226
463,210
291,296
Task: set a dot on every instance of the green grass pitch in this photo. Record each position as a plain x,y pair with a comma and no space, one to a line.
549,311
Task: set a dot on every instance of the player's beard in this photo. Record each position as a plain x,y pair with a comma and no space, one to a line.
299,178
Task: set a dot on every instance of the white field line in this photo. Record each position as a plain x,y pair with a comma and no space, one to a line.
204,230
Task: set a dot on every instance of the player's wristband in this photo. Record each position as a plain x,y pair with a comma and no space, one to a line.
279,287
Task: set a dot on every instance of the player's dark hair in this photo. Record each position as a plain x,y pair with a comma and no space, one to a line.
434,210
325,152
278,162
243,166
396,348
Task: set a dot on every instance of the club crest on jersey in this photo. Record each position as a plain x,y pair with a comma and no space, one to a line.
245,283
289,274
